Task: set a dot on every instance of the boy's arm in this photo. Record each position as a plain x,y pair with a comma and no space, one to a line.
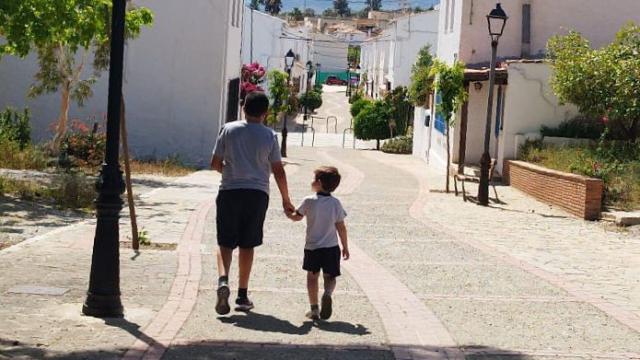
342,232
281,179
217,164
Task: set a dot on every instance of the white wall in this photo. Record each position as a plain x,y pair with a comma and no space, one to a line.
596,19
174,88
407,35
420,133
330,52
530,103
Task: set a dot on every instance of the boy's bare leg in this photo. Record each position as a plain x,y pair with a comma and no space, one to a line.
312,287
224,260
245,261
329,285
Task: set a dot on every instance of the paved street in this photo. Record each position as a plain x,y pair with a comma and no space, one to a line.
431,278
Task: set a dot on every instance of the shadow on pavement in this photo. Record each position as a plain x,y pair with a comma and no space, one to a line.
269,323
221,350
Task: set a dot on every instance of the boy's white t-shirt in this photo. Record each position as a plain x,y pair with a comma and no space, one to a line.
322,213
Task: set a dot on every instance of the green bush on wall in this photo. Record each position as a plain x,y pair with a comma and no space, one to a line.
312,100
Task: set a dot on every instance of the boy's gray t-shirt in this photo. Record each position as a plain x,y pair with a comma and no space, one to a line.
322,213
248,150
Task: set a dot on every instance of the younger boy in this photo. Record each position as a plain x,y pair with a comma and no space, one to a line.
325,221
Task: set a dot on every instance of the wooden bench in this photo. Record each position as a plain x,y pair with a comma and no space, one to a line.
462,178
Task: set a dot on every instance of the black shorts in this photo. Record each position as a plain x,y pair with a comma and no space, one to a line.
240,217
327,259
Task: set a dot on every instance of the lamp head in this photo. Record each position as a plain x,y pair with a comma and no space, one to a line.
497,20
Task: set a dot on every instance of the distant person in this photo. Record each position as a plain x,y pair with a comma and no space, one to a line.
246,153
325,221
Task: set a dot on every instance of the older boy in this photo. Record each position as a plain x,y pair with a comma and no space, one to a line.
246,153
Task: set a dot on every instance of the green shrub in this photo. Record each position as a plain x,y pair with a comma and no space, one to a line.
15,127
356,95
401,109
357,106
29,158
312,100
73,190
372,123
578,128
83,146
399,145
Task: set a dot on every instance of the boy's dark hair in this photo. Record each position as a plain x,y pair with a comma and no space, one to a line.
329,177
256,104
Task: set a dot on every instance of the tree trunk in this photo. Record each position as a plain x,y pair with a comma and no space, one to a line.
377,144
61,128
448,158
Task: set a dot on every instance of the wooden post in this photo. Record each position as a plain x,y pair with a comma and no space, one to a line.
135,243
462,150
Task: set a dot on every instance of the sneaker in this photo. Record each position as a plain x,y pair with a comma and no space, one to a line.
327,307
222,306
313,314
243,304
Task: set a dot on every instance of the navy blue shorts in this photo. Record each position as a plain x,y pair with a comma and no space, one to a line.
240,218
325,259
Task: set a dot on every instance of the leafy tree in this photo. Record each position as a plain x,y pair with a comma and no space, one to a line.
309,12
330,13
64,35
255,4
273,7
342,8
278,94
372,123
450,85
603,82
422,78
312,100
358,105
353,55
296,14
418,9
400,109
374,5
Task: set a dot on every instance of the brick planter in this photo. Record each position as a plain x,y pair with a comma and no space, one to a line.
579,195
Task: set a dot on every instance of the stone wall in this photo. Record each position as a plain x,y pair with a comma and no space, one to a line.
579,195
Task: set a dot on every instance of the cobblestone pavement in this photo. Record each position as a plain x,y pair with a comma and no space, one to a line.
431,278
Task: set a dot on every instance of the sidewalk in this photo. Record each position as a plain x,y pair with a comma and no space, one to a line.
430,278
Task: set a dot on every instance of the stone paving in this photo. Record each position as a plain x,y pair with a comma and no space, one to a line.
431,277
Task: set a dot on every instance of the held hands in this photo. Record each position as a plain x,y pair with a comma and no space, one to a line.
288,207
345,253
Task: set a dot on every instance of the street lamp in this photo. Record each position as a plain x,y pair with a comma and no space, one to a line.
309,75
497,20
103,296
348,79
289,59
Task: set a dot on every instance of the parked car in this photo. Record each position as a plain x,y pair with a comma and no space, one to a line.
334,80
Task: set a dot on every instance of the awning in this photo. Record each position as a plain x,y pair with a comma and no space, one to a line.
473,75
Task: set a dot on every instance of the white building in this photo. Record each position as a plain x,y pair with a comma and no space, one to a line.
387,59
524,100
180,81
267,39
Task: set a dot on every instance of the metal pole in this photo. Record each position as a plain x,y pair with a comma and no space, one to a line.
483,189
348,81
103,296
285,131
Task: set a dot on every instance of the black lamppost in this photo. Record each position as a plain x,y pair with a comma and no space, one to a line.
497,20
309,75
103,296
348,79
289,59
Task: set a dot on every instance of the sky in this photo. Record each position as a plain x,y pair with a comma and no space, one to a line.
354,4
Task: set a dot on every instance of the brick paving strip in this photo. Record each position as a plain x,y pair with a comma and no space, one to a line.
413,331
183,295
624,316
